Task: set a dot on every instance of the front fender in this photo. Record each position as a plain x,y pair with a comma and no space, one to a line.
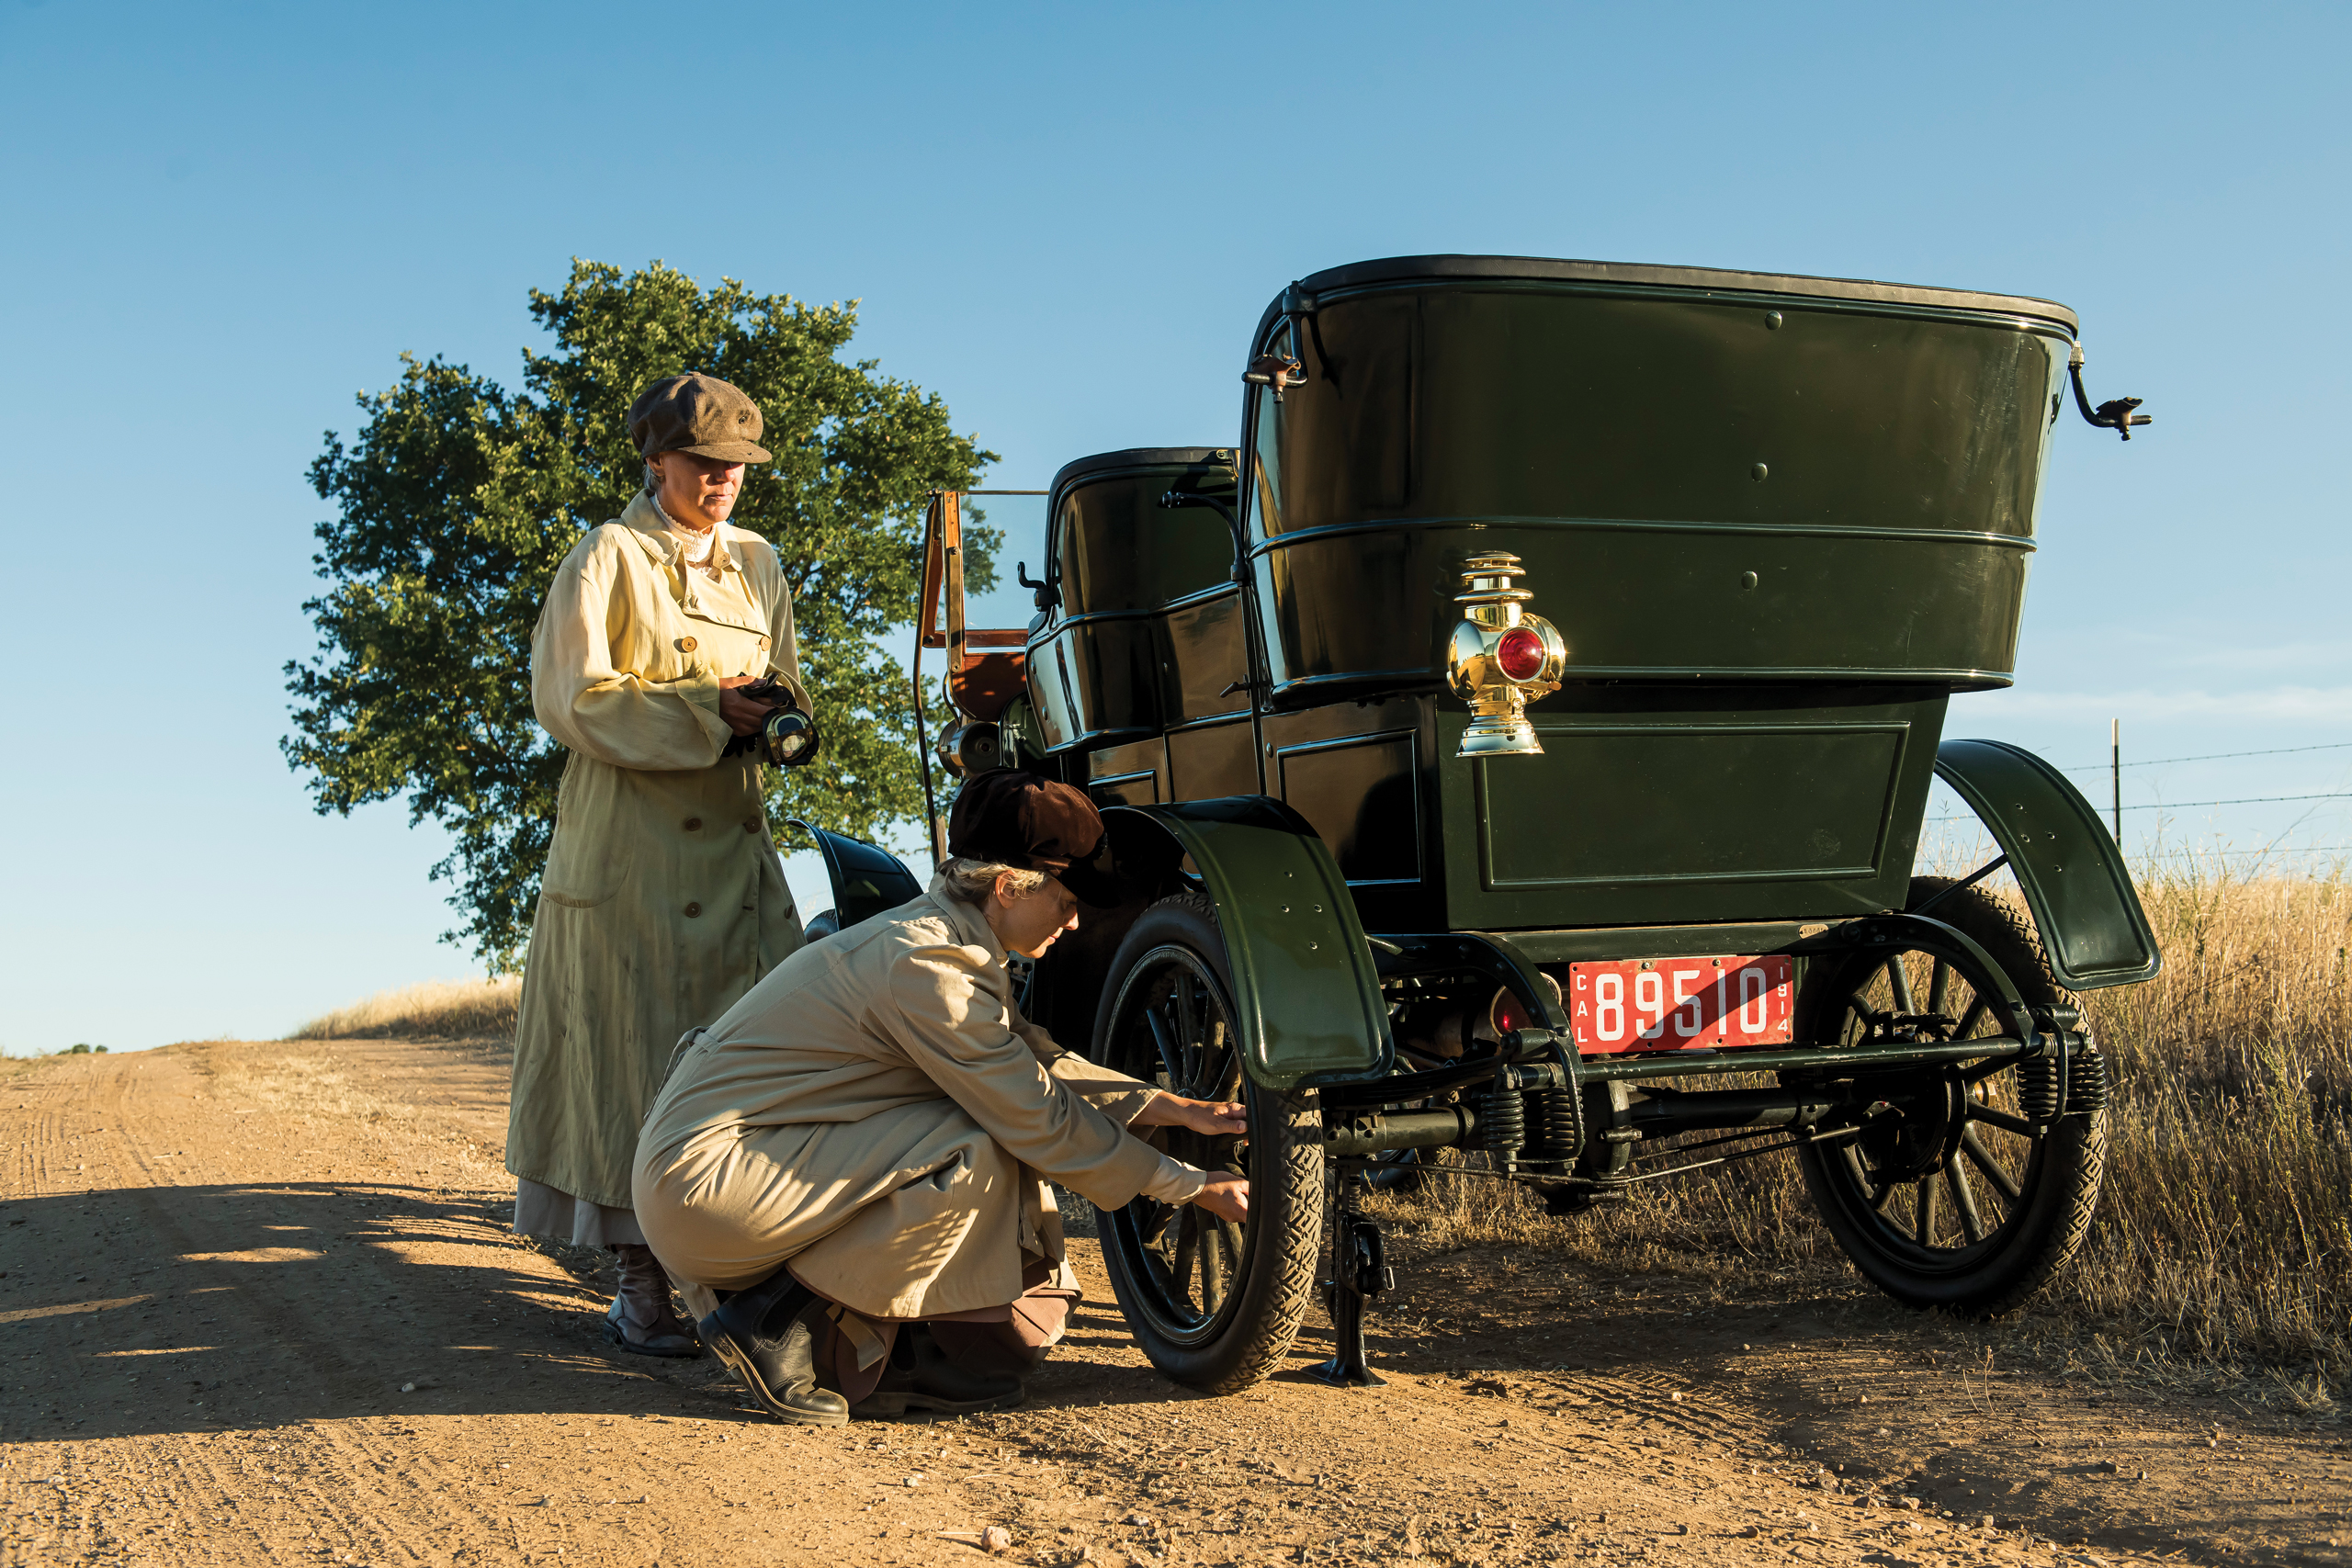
2067,865
1304,985
866,878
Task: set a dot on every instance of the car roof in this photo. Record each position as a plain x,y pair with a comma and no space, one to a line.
1130,457
1679,280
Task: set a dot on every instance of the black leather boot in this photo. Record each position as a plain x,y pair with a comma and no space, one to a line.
922,1378
767,1336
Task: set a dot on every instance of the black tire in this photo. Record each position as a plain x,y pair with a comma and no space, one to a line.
1948,1244
1215,1306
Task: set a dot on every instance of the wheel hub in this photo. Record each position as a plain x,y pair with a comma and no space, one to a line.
1915,1125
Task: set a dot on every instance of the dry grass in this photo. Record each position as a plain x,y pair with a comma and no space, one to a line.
310,1089
437,1009
2228,1213
2224,1236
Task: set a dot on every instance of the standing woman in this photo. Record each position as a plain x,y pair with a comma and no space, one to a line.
663,899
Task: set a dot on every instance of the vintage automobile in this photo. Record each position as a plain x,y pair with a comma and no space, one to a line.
1518,744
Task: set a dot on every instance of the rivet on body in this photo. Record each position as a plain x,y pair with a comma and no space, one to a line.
1772,320
1748,579
1760,472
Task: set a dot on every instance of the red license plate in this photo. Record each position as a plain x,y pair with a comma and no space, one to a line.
1680,1004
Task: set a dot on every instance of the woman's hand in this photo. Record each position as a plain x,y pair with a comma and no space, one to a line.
1227,1196
1212,1118
743,715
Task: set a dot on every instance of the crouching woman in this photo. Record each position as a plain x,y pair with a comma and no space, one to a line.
853,1160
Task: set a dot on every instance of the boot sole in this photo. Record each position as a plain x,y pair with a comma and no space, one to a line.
723,1347
687,1352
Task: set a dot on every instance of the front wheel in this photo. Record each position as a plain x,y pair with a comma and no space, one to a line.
1971,1195
1214,1305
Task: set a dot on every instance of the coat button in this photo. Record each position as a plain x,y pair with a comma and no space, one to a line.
692,909
753,826
693,823
764,642
687,645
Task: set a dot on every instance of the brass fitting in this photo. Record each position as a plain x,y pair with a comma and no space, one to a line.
1500,658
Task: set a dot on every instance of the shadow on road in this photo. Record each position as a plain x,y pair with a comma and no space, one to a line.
180,1309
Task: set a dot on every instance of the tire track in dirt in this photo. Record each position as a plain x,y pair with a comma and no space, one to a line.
420,1506
1552,1418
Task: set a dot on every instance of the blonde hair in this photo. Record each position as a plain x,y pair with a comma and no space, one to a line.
973,880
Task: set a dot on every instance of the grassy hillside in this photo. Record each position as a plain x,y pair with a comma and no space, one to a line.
437,1009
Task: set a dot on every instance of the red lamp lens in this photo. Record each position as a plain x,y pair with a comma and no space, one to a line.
1521,654
1506,1014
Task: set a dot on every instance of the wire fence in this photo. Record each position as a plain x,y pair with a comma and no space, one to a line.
2115,807
2185,805
2276,850
2209,757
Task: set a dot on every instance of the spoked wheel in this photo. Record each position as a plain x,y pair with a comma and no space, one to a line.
1214,1305
1952,1199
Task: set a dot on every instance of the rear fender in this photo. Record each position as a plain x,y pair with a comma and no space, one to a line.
1305,990
2067,865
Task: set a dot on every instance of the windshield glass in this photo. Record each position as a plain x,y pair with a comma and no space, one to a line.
1019,516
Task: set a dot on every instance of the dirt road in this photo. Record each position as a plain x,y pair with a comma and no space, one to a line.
260,1306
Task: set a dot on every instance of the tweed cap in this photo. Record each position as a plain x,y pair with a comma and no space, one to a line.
700,414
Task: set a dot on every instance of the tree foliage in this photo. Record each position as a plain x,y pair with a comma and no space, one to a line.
457,500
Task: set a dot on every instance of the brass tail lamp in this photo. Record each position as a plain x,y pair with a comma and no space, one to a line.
1500,658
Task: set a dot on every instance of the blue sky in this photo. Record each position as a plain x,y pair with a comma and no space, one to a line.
227,219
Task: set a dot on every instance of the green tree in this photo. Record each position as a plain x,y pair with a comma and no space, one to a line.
457,500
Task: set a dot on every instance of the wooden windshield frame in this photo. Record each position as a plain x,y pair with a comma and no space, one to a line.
943,581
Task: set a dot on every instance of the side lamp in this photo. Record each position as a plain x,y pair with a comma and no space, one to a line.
1500,658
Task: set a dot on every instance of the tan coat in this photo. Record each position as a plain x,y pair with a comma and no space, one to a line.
878,1112
663,899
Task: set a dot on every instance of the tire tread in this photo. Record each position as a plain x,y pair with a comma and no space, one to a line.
2073,1155
1274,1307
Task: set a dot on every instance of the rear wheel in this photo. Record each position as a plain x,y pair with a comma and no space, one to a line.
1954,1199
1214,1305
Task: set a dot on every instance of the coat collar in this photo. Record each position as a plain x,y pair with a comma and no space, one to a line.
693,592
653,533
965,919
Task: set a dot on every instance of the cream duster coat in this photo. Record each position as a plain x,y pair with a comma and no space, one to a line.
877,1112
663,899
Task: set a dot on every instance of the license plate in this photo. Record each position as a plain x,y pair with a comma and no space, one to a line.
1681,1004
